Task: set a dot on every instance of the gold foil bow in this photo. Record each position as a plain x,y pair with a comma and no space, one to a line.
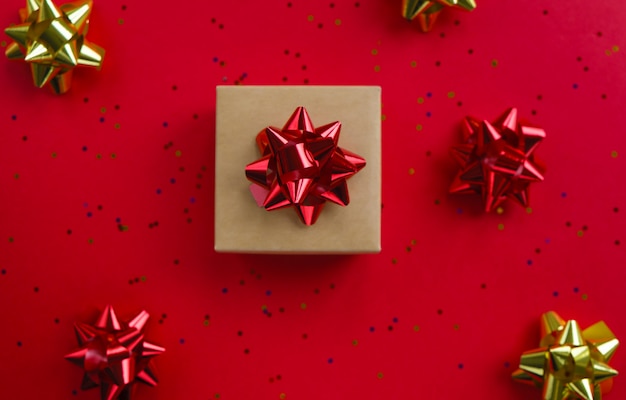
426,11
52,40
571,363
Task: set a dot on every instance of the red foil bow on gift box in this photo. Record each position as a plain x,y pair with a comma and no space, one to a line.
497,159
115,355
302,166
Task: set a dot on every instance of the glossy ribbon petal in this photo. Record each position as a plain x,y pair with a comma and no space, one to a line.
114,355
571,363
302,167
52,40
497,159
426,11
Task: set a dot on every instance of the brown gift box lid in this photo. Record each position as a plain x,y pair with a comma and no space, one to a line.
241,226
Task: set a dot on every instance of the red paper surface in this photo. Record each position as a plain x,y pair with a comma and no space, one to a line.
107,197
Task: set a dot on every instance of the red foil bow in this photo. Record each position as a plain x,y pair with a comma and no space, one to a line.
302,166
497,159
115,355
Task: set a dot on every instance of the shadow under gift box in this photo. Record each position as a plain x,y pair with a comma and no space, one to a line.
241,226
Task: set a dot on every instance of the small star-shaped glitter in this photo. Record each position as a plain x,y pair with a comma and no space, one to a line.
571,363
115,355
52,40
426,11
302,166
497,159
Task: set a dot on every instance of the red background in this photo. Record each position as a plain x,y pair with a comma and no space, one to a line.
447,307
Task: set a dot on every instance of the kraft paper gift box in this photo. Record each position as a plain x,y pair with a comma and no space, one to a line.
241,226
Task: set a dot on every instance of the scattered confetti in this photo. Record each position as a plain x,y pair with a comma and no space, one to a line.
118,206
